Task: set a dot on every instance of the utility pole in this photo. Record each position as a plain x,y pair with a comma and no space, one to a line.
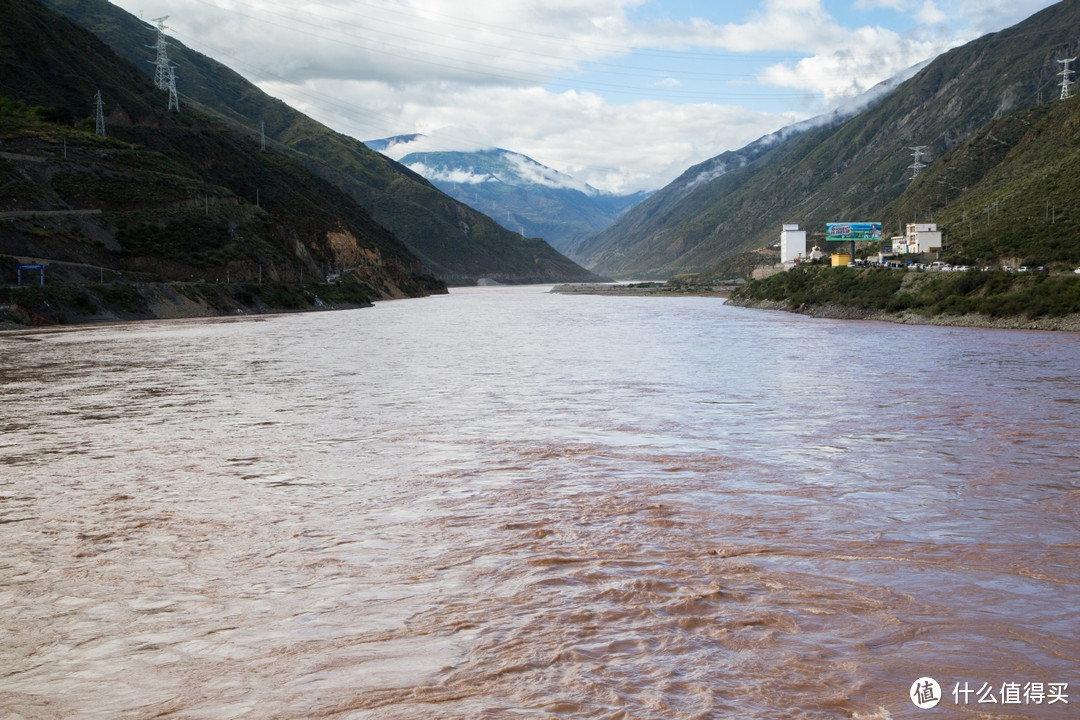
1066,77
262,136
916,167
99,114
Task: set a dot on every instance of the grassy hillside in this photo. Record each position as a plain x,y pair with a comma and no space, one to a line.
1007,196
846,171
454,241
162,197
1010,195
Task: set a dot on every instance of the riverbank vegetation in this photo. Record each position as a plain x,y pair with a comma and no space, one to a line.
994,294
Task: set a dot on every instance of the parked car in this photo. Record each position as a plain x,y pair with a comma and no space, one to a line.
1022,268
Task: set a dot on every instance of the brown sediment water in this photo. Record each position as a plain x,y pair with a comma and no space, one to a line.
509,504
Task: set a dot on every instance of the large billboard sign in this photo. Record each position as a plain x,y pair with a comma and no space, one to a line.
853,231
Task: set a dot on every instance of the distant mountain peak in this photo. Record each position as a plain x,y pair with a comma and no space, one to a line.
530,170
477,166
514,189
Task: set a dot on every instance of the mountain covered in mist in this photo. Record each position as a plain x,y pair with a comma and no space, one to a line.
518,192
454,241
840,167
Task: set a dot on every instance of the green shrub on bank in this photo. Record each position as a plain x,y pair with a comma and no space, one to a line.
994,293
871,288
122,295
347,291
198,241
293,296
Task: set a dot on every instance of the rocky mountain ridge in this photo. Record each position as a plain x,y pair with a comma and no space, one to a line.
154,196
454,242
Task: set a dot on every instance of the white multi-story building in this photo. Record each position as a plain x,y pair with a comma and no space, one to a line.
920,238
792,243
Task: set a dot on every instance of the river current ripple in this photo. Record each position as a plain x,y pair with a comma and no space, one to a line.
504,503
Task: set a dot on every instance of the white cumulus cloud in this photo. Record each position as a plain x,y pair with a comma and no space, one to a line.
491,73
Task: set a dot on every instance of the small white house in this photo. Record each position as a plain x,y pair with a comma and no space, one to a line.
792,243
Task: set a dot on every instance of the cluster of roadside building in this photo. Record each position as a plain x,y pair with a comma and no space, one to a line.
919,239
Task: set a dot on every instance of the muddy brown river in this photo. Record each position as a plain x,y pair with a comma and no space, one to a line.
504,503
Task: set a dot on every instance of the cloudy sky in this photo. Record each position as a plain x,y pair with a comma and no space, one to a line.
621,94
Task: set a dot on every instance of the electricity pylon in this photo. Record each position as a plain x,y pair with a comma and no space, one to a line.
1066,78
164,71
99,114
918,165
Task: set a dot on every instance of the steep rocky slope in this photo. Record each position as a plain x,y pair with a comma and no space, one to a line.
454,241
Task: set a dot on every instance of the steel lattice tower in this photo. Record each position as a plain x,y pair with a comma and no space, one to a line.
161,71
1066,77
99,114
918,165
174,99
164,72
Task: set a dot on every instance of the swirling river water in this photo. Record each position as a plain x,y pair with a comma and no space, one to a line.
504,503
